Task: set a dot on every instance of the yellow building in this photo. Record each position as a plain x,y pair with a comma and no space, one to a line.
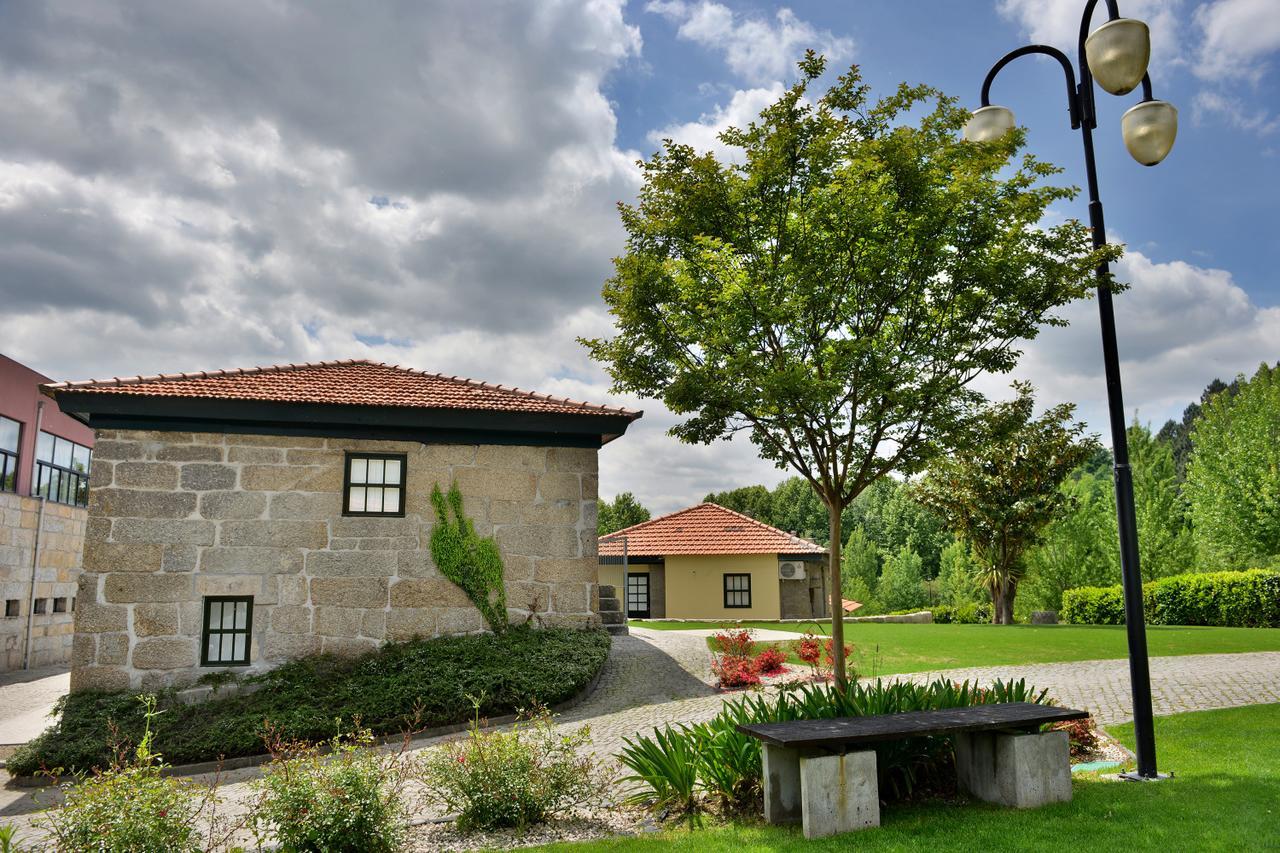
708,562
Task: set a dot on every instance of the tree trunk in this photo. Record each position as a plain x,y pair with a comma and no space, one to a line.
837,607
1010,592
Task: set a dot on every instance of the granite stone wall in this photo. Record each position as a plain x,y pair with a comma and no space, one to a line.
174,517
57,568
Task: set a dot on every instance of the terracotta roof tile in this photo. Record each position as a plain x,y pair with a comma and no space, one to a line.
355,382
705,529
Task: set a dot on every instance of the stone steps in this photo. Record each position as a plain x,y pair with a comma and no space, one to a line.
610,610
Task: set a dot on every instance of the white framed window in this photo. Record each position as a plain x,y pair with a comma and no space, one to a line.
228,629
374,484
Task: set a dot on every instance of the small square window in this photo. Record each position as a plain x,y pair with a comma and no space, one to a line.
59,605
374,484
228,629
11,607
737,590
41,604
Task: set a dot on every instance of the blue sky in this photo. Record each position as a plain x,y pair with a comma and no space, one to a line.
209,183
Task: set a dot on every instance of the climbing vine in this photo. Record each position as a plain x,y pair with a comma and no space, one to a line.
469,560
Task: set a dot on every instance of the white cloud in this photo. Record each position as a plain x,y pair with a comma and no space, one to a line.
756,48
1057,22
1237,37
1178,325
1208,106
703,135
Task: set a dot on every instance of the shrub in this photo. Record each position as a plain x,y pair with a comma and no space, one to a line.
809,651
1082,735
345,801
972,613
735,672
675,765
771,661
496,779
1248,599
402,685
1093,605
734,643
131,806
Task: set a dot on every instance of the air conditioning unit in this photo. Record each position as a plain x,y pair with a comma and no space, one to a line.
791,571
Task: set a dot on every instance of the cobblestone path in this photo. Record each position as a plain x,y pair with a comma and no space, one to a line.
657,677
1181,683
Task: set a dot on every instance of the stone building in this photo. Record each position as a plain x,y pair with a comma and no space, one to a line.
245,518
44,484
708,562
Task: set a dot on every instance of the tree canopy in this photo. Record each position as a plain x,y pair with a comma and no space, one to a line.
1000,492
1233,477
834,291
623,511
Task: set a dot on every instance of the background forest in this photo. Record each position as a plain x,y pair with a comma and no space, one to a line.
1207,492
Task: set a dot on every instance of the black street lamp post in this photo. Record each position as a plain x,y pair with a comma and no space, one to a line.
1116,55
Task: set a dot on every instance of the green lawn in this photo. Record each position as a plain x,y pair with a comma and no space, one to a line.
885,648
1226,796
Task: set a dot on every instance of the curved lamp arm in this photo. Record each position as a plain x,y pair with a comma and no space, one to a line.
1072,99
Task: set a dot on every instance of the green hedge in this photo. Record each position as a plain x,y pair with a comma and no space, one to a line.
966,614
1228,599
415,684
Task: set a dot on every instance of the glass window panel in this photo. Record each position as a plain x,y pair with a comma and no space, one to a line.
9,431
374,503
356,499
240,643
215,615
42,488
359,470
62,452
392,471
44,447
228,646
214,644
390,500
376,471
242,614
55,483
80,458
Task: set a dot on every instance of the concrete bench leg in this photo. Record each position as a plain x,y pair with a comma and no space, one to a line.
839,793
781,784
1018,770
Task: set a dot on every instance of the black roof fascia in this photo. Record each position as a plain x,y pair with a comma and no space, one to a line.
121,411
634,559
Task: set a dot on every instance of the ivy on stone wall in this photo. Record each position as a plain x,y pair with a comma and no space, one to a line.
469,560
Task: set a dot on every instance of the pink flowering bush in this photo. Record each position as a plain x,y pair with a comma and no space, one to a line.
771,661
735,672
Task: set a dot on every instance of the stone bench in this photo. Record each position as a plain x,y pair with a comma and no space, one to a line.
822,773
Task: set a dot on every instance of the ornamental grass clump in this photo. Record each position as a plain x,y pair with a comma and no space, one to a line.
343,796
502,779
684,769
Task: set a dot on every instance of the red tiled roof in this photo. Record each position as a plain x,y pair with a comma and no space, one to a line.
705,529
354,382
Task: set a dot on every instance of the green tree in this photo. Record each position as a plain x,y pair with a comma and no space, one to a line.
901,584
836,288
1003,490
1233,477
797,507
755,501
860,567
958,575
1080,547
1165,545
623,511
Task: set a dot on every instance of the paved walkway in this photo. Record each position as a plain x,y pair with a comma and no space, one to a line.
653,678
26,698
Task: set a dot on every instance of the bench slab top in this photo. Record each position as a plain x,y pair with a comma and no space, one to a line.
845,731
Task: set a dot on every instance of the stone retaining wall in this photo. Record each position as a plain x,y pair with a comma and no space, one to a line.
58,567
174,517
